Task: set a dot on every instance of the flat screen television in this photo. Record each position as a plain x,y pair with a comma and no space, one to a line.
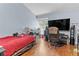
62,24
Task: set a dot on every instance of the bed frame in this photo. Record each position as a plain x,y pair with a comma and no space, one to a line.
25,49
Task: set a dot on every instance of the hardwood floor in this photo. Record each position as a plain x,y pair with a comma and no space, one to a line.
42,48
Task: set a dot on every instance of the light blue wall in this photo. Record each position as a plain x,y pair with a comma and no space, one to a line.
14,17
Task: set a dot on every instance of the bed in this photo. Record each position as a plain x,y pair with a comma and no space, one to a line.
15,45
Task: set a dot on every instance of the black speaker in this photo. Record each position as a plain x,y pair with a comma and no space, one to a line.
72,35
78,41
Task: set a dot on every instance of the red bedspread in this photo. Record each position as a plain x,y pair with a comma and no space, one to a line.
13,44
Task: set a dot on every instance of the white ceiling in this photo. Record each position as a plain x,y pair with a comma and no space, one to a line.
43,8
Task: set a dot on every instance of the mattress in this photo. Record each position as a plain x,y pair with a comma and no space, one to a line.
13,44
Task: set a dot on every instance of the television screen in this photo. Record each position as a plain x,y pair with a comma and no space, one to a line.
62,24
